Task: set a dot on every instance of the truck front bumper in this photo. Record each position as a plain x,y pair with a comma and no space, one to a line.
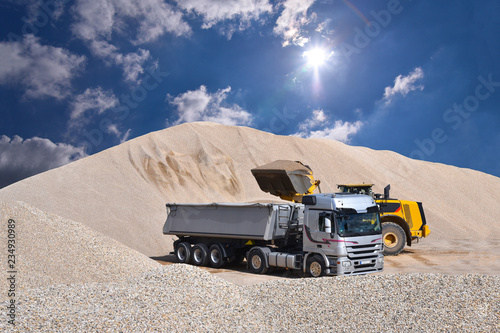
346,266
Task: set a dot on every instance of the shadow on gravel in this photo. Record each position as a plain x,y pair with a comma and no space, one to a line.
242,268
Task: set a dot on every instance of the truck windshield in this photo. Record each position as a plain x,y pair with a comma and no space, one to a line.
362,224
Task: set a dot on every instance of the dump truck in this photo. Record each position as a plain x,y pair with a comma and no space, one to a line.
403,221
325,234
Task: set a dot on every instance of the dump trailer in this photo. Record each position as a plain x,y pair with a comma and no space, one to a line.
403,221
326,234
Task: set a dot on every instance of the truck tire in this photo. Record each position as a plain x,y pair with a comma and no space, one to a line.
315,266
183,252
394,238
216,256
200,255
257,262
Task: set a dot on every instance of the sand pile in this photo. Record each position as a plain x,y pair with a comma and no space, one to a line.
121,192
53,250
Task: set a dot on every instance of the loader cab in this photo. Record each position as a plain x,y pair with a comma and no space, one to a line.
365,189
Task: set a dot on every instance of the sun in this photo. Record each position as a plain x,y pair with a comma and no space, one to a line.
316,57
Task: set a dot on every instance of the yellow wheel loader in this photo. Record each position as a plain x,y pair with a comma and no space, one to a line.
403,222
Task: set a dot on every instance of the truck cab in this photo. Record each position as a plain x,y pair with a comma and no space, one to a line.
342,234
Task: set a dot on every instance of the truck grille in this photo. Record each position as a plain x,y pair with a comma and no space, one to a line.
364,257
358,252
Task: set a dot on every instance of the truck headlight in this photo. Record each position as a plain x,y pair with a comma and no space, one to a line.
380,260
346,264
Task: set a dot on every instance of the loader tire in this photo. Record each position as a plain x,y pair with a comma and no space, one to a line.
183,252
394,238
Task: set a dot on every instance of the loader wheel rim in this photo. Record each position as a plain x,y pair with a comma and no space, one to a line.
390,240
256,262
315,269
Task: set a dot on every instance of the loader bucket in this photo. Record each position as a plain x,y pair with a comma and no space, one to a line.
283,178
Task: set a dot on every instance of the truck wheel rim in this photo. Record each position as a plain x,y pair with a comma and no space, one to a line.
256,262
215,256
181,253
315,269
390,240
197,255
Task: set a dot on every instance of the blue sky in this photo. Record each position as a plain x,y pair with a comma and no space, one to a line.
421,78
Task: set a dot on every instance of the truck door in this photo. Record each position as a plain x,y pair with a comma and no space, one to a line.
319,229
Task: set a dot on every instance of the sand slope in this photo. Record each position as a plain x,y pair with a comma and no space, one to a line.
53,250
121,192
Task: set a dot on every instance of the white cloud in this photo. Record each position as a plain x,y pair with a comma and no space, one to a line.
404,84
317,119
200,105
214,12
292,19
20,158
92,100
39,9
132,64
126,136
341,131
97,20
44,71
113,129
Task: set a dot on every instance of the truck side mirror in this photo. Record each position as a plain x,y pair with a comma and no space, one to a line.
328,225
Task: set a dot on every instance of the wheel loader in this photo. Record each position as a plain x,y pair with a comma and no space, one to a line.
403,221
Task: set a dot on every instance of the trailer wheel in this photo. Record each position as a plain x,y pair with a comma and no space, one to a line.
257,262
315,266
394,238
183,252
216,257
200,254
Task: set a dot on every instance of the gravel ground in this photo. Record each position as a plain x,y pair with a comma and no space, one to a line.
180,298
71,278
52,250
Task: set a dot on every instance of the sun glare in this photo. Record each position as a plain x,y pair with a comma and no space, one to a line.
316,57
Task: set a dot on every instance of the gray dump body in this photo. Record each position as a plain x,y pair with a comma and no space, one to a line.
256,221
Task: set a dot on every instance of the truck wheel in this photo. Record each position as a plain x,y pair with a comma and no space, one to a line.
183,252
315,266
200,255
216,257
257,262
394,238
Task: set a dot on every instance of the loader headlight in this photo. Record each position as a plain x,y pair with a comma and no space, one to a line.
346,264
